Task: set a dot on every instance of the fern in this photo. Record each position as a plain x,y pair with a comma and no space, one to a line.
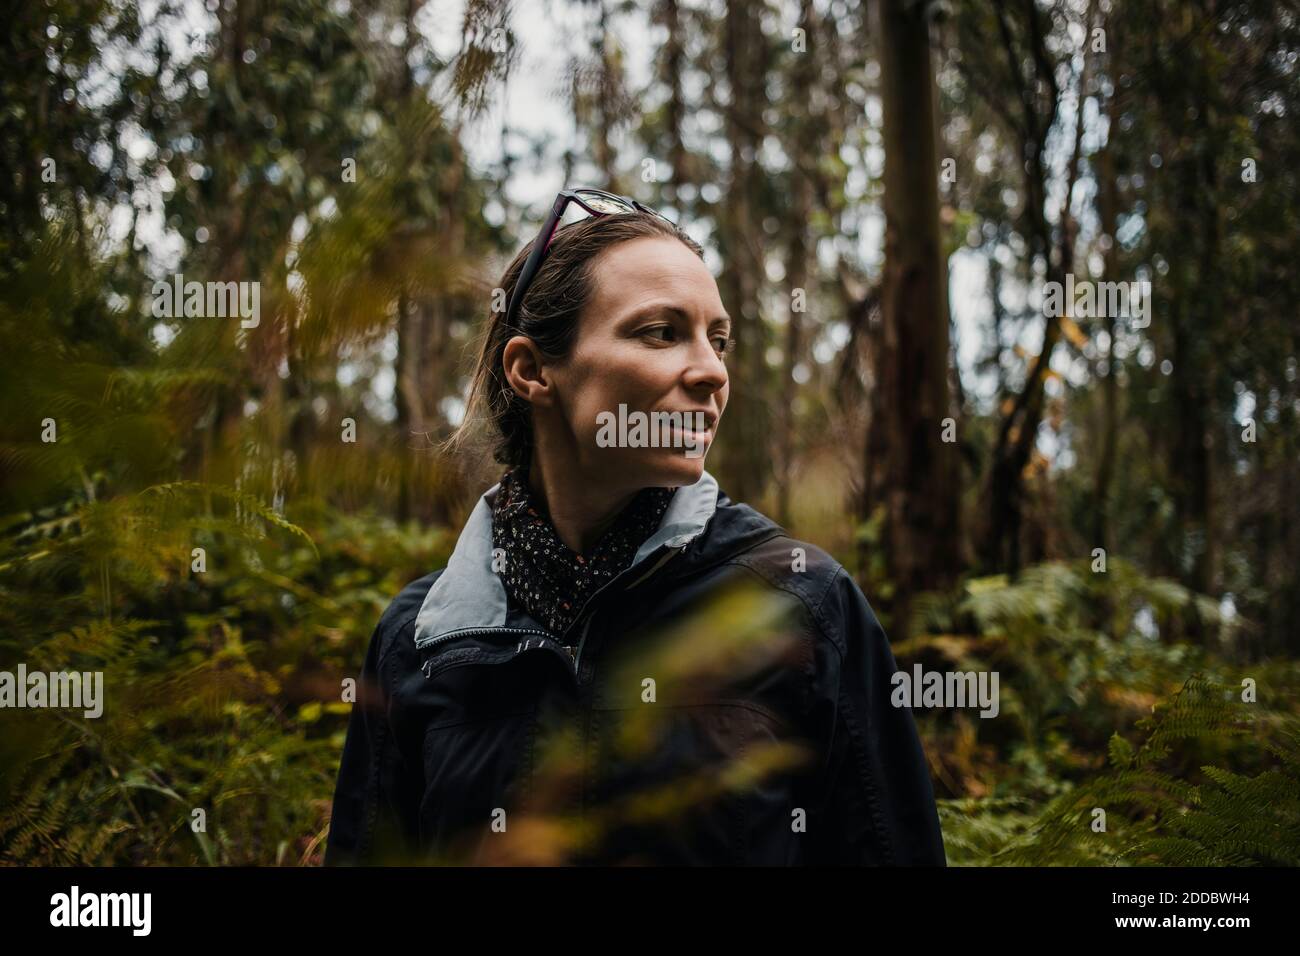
243,500
1230,819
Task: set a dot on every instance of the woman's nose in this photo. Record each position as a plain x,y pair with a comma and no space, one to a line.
705,368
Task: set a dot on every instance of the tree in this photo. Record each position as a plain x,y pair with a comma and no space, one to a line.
917,480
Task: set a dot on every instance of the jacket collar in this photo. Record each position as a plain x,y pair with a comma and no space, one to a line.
470,595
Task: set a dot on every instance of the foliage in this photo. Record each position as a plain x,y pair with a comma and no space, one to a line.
1084,666
308,145
222,688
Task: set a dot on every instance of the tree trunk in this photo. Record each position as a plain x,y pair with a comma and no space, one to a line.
921,489
1107,211
803,152
747,457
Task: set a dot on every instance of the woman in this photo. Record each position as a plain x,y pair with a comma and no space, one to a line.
620,664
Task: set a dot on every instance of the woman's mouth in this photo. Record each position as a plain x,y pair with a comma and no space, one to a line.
690,429
694,421
694,433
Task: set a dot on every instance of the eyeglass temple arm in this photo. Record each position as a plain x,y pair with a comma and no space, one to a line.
535,256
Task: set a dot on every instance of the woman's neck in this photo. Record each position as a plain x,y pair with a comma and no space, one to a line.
581,508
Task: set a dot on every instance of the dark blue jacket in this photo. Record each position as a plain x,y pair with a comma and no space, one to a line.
728,703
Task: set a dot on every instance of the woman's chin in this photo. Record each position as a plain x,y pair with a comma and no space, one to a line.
672,468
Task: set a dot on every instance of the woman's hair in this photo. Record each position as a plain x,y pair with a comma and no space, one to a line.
549,316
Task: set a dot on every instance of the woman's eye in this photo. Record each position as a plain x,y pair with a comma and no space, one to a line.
722,344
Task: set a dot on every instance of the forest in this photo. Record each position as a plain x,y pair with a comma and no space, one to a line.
1017,342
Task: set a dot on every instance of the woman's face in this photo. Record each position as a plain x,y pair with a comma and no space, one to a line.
652,339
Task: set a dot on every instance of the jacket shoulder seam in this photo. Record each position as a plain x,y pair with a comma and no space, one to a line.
813,604
814,609
820,616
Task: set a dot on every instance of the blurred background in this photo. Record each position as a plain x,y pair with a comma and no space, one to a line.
1103,505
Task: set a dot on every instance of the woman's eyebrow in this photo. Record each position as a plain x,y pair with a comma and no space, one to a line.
675,310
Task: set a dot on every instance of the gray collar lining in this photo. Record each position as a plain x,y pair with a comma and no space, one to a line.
469,594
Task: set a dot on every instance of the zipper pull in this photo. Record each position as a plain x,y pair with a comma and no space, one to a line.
426,666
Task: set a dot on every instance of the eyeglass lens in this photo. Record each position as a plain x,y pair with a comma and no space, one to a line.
605,204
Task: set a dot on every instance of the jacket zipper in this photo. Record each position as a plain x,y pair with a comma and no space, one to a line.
577,653
574,654
672,553
422,645
586,626
427,666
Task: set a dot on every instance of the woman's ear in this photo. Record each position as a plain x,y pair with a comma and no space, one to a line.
526,371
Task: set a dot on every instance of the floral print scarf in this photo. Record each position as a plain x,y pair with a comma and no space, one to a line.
541,573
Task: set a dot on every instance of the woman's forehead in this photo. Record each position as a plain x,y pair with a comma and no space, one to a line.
653,269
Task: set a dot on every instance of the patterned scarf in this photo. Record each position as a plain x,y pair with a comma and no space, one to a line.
541,572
